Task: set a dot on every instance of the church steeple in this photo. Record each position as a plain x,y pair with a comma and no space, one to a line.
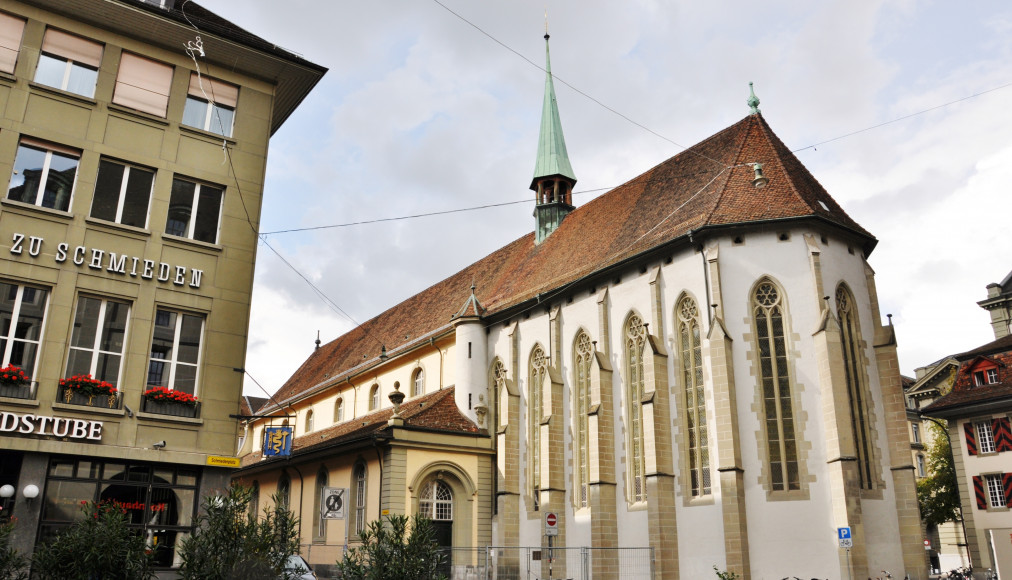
553,175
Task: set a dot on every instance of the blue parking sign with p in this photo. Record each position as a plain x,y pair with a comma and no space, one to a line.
843,533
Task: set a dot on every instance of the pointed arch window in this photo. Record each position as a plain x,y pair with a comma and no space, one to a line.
775,387
436,501
418,383
635,343
583,356
360,498
374,397
319,524
538,370
691,366
856,388
309,421
284,490
339,410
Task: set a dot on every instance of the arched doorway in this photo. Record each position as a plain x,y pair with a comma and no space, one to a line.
436,503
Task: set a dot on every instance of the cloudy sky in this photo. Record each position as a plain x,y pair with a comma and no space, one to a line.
423,112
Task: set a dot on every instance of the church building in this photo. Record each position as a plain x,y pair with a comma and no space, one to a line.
693,363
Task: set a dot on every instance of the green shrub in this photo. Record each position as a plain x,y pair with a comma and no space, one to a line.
402,549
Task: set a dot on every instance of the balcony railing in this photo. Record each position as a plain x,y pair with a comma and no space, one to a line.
74,397
26,391
171,409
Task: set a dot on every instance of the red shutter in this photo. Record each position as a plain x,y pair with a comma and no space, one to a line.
971,437
980,492
1006,482
1002,434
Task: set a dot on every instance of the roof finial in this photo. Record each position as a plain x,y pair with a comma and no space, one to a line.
546,23
317,339
753,101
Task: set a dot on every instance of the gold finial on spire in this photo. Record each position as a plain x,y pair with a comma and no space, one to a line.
546,22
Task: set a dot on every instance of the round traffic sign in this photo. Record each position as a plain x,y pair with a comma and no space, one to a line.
551,520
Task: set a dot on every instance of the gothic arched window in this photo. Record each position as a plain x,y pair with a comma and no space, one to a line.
339,410
582,355
309,421
775,387
635,343
691,366
856,389
538,371
360,497
284,490
374,398
320,527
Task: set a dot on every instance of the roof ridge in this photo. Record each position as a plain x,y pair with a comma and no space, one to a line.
723,189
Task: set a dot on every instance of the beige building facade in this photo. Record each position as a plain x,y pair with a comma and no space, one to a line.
134,173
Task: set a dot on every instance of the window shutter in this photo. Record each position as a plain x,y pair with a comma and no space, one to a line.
11,30
1002,434
980,492
143,84
72,47
1006,482
971,437
218,91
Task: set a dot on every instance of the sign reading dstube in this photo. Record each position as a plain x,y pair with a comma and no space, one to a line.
29,424
97,259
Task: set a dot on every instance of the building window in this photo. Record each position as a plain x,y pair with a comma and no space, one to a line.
418,383
436,501
284,491
175,351
538,371
194,210
374,397
921,468
995,491
985,377
856,389
69,63
210,105
254,499
985,437
22,312
44,174
360,498
691,365
583,358
339,410
775,387
122,193
635,343
320,524
143,84
915,429
11,30
309,421
96,343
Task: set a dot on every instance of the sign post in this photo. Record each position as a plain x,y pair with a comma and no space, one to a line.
551,530
846,541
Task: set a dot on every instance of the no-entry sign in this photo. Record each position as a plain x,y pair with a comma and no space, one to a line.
551,524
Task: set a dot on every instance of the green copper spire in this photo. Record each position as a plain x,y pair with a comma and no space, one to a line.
552,156
753,101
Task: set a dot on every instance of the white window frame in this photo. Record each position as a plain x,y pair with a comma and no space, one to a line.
921,466
361,498
195,208
916,430
985,437
433,504
96,340
211,123
374,397
122,199
995,491
991,375
15,316
49,150
339,410
418,383
174,362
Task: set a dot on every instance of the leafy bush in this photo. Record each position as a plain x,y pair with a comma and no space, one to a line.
102,545
13,565
230,542
404,548
725,574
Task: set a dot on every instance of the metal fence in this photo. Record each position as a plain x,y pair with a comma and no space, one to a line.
540,563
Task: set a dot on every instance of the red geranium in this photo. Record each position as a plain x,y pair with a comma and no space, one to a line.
13,376
87,385
166,395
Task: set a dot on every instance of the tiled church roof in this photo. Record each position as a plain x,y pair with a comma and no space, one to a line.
435,411
706,186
